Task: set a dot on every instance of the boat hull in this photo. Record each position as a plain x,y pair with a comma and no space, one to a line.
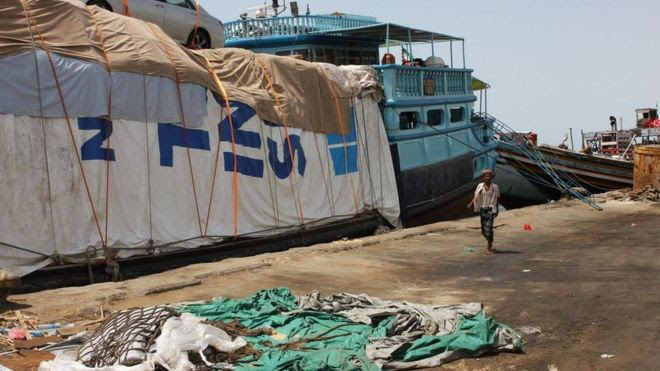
515,189
83,274
435,192
595,174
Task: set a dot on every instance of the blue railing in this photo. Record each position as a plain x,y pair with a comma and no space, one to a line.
410,82
281,26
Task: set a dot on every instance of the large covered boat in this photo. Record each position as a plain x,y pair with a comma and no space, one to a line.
439,151
124,153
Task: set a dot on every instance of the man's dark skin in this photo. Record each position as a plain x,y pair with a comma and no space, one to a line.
488,178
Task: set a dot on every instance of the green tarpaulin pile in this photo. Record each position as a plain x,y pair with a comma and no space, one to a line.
307,339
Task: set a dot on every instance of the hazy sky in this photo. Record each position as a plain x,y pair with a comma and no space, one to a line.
552,64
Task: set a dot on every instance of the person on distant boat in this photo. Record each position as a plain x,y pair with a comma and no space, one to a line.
530,138
486,203
613,123
388,58
419,62
563,142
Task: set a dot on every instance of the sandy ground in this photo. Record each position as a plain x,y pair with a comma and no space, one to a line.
589,279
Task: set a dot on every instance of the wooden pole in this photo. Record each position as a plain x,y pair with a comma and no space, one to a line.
571,131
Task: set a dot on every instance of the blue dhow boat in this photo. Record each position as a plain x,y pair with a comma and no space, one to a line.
439,150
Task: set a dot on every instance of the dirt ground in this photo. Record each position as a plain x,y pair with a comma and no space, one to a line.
590,280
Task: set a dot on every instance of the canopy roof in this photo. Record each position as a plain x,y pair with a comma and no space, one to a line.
396,34
479,84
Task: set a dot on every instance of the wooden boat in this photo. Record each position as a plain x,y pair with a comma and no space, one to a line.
594,173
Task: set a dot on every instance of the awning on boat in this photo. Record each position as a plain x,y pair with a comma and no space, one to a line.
396,34
479,84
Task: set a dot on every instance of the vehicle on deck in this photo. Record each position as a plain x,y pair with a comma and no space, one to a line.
179,18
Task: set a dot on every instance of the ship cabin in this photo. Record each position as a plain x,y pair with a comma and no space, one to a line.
644,115
428,103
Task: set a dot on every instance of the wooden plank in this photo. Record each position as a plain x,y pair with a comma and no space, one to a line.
173,286
36,342
25,360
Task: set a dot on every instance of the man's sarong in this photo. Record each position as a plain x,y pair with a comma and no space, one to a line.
487,219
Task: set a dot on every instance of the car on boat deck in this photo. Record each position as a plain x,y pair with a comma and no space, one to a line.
176,17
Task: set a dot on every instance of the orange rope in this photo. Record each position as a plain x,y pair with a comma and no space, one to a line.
357,147
343,138
215,171
108,123
177,79
301,215
44,45
126,11
221,88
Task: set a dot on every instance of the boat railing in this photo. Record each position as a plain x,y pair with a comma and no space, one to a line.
283,26
402,82
562,180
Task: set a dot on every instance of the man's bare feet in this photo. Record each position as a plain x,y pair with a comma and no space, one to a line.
489,251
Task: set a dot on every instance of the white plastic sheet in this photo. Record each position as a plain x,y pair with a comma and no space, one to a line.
152,200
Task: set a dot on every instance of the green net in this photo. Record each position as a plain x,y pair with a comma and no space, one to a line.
305,340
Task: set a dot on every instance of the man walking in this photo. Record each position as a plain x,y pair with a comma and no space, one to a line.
486,202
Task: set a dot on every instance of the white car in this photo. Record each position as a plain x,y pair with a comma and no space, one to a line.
176,17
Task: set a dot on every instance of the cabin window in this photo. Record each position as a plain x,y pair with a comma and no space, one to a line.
369,58
302,52
407,120
319,56
354,57
435,117
456,114
330,55
341,57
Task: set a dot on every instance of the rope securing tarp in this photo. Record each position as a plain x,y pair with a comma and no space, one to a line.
122,152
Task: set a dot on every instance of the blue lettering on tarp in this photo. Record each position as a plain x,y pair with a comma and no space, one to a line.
242,114
244,165
250,139
173,135
343,150
92,149
282,169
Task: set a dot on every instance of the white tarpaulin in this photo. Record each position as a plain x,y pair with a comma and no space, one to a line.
173,187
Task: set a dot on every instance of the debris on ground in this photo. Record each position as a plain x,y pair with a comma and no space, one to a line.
275,330
647,193
26,359
606,356
125,337
530,330
6,345
22,335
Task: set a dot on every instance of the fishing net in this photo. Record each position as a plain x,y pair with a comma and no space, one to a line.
125,337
